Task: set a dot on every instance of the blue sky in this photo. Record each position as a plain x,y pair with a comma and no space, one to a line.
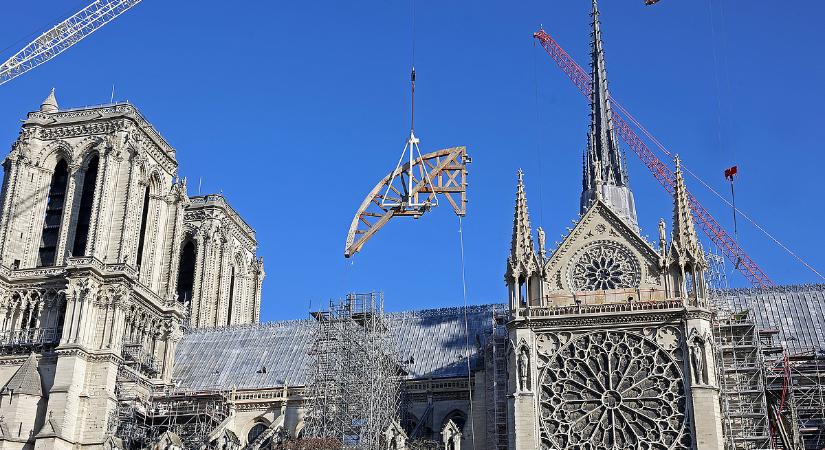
294,110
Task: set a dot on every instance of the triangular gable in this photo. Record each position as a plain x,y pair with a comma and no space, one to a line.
50,428
600,224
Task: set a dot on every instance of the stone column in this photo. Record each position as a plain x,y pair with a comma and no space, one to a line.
701,377
107,170
11,169
523,414
175,248
197,288
125,226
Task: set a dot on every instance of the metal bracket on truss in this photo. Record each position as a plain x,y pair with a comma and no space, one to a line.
411,190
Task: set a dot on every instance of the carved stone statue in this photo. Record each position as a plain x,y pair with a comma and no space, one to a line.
523,366
542,240
697,360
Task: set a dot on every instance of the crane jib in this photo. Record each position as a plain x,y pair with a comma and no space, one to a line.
715,232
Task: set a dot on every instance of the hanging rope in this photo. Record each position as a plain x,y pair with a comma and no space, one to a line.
716,79
466,332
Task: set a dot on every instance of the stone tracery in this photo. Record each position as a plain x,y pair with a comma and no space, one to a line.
604,265
612,389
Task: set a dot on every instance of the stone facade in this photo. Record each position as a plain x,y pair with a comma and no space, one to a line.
228,274
610,337
93,226
129,314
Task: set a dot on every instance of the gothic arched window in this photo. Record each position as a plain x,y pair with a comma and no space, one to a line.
24,324
231,296
186,272
256,431
54,214
143,219
84,215
33,316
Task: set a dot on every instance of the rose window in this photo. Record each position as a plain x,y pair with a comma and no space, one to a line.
605,265
612,390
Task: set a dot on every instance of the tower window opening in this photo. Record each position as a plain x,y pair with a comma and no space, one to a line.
24,324
84,215
143,219
33,317
690,282
54,214
231,296
186,272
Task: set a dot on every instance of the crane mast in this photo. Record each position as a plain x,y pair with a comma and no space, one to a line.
714,231
62,36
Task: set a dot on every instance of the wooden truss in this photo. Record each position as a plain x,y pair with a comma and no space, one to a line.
441,172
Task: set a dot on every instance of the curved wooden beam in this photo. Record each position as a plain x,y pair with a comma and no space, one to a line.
447,170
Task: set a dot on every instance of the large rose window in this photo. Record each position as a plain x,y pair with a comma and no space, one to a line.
604,265
612,390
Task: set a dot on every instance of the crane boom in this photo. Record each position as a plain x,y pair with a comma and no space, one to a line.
62,36
715,232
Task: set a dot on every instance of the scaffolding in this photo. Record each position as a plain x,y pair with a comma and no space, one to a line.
354,393
772,396
796,385
495,372
191,416
741,369
742,382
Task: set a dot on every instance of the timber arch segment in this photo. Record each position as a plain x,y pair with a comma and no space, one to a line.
447,173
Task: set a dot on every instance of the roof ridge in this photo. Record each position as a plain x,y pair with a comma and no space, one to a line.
785,288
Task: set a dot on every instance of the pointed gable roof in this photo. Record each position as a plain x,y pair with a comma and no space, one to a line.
26,380
583,233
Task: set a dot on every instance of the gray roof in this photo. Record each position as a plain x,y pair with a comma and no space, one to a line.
26,380
796,312
431,342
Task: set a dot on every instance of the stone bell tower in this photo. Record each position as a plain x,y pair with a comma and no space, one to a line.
90,230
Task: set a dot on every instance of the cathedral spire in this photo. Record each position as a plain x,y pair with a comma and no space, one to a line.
521,246
603,153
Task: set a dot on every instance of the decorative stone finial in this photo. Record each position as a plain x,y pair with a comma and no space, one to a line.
49,105
684,236
542,241
522,252
662,237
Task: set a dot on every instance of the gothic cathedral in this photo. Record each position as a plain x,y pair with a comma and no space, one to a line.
104,259
610,336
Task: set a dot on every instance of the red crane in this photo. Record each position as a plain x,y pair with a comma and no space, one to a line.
726,244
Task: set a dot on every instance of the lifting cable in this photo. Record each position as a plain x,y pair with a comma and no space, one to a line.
466,332
719,127
539,135
706,185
